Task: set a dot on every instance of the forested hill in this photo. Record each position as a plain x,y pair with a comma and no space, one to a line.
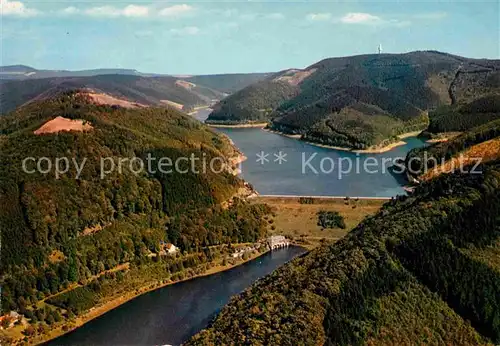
21,84
151,91
361,101
424,270
93,235
228,83
464,116
479,143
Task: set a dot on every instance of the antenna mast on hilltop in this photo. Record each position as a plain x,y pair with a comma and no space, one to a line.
380,48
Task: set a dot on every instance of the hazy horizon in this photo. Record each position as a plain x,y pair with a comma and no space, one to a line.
104,67
199,38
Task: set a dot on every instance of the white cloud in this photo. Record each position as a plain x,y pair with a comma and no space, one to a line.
188,30
102,11
275,16
130,11
136,11
110,11
16,8
319,16
360,18
70,10
176,10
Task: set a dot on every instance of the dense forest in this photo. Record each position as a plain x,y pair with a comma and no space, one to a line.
253,103
420,271
480,142
69,241
362,101
463,117
228,83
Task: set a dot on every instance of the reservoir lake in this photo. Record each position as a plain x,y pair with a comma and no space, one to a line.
170,315
308,169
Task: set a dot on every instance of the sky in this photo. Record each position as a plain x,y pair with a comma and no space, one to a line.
205,37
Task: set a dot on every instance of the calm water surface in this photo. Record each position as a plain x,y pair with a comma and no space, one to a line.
172,314
295,177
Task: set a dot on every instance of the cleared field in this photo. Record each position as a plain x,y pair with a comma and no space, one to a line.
299,221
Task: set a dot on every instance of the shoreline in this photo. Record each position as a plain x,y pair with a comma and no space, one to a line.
442,137
374,150
437,140
409,134
360,151
238,126
98,311
381,150
196,109
283,133
321,198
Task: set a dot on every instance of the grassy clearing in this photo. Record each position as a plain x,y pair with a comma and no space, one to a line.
300,221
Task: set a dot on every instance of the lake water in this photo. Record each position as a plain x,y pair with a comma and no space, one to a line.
172,314
308,169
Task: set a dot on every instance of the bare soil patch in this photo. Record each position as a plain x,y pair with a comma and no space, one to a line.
59,124
105,99
294,77
173,104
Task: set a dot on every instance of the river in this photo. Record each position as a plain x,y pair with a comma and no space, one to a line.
308,169
172,314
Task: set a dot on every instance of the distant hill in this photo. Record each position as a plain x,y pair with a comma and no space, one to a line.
227,83
145,90
361,101
20,84
22,72
424,270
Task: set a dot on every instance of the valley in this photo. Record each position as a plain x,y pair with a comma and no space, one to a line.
103,256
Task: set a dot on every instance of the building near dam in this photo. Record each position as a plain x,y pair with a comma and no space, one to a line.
277,241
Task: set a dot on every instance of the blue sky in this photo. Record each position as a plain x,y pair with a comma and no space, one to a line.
235,36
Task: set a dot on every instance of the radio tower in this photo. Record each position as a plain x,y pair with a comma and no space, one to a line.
380,48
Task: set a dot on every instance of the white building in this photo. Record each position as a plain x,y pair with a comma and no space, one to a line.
277,241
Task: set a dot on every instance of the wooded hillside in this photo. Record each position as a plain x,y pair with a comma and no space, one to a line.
421,271
100,236
361,101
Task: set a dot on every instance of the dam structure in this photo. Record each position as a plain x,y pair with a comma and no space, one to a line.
277,242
